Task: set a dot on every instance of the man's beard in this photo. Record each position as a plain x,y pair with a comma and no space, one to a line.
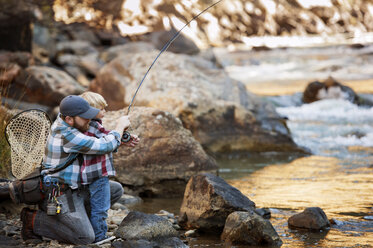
82,129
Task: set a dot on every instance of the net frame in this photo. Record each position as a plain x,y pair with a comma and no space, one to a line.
27,133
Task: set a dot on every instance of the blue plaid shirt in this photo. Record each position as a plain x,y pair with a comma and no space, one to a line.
66,142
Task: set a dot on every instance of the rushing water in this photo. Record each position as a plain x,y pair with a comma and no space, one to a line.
338,177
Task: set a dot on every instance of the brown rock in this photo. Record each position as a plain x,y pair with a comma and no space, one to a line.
8,72
329,89
310,218
166,157
43,85
23,59
208,200
248,228
218,110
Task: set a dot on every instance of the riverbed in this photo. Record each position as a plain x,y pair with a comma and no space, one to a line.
337,177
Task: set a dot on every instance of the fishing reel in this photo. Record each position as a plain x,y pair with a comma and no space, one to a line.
125,137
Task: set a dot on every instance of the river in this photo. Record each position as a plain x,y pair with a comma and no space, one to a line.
337,177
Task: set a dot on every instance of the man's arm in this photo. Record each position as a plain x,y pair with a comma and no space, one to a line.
77,142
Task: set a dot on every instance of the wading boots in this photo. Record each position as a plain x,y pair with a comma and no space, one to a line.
27,218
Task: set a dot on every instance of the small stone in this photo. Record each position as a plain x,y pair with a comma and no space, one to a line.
112,226
191,233
120,206
116,220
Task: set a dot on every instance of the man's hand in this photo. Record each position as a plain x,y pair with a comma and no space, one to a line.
122,124
134,141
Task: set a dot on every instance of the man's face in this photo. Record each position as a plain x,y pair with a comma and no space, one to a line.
81,124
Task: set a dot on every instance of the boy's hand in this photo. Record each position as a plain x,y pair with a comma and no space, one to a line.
134,141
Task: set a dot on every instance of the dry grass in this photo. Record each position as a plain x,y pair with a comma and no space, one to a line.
5,164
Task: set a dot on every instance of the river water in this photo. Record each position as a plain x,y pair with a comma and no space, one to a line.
337,177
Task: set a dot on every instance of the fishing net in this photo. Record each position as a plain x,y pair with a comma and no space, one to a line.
27,134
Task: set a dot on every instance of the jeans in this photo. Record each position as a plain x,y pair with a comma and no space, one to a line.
100,204
72,227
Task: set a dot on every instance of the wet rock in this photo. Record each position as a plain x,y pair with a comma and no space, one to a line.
129,200
248,228
162,242
263,212
208,200
137,225
329,89
164,160
218,110
310,218
133,244
44,85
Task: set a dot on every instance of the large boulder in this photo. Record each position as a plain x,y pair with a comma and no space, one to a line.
248,228
43,85
311,218
166,157
218,110
208,200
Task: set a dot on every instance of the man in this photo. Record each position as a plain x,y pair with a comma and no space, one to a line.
71,223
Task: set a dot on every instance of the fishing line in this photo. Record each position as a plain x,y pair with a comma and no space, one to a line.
164,49
126,135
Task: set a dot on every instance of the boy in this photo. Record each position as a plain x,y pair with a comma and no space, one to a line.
102,166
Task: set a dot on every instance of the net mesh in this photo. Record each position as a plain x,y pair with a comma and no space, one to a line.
27,134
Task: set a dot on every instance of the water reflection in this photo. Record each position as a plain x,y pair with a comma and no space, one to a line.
345,194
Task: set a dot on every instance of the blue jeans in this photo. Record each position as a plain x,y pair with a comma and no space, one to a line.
100,203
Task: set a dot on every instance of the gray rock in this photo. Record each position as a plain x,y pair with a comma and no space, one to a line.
248,228
264,212
208,200
165,159
129,200
162,242
310,218
137,225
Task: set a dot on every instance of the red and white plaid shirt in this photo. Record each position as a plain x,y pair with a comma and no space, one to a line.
96,166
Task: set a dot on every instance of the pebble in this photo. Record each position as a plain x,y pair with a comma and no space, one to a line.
191,233
119,206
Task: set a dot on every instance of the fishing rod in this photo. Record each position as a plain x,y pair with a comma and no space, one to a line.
126,135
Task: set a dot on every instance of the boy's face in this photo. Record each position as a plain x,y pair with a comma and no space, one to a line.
101,114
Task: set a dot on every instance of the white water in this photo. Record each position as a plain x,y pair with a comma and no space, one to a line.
330,127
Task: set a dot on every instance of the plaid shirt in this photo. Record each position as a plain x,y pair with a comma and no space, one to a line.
96,166
65,143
